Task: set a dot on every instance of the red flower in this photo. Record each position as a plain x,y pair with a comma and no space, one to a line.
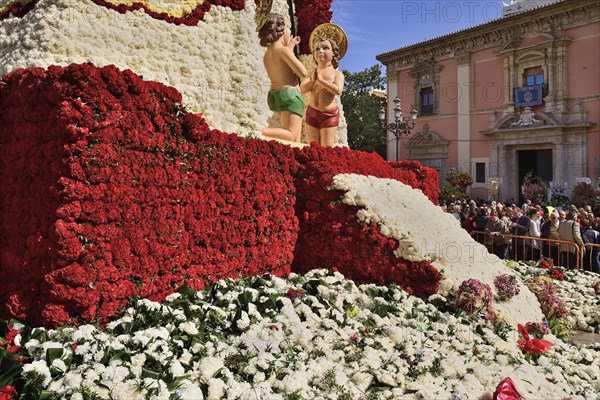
532,346
273,327
9,339
8,392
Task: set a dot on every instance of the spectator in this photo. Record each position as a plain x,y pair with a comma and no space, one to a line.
591,261
495,228
470,223
480,223
533,246
527,225
525,206
455,211
569,231
549,230
464,214
562,216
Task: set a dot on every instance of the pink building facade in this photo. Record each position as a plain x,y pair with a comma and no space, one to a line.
517,94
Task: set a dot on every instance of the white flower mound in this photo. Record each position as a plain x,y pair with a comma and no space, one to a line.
317,336
425,232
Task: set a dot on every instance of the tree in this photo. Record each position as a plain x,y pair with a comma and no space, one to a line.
361,109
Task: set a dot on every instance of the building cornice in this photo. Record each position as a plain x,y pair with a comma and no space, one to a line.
550,20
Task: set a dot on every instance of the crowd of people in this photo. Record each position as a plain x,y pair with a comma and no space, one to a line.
532,232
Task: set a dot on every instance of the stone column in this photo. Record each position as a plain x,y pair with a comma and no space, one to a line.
463,80
509,104
560,167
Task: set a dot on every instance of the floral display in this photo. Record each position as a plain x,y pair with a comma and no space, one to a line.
585,194
534,189
559,195
462,179
147,196
555,309
246,338
188,14
142,213
537,328
507,286
576,290
146,255
475,298
309,15
546,263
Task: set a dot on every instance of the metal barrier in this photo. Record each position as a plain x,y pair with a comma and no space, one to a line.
590,256
519,248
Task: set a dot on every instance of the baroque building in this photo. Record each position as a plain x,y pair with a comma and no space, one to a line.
515,95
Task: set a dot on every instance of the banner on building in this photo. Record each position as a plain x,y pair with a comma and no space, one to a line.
529,96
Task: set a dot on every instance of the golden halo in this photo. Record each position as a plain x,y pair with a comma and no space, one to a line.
329,31
263,9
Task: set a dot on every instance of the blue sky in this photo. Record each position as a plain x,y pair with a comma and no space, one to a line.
378,26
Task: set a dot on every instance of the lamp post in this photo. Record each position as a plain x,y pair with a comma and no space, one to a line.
401,125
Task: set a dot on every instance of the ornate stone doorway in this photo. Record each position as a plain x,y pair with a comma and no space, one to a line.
538,162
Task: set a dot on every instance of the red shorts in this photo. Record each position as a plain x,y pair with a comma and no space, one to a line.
322,119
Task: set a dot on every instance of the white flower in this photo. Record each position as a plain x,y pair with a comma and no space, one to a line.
176,369
362,380
84,332
59,364
128,390
216,389
188,327
243,322
39,368
208,367
189,391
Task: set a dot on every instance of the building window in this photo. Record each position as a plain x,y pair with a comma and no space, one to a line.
426,75
479,172
534,76
426,101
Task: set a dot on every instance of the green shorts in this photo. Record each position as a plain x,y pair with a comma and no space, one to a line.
286,99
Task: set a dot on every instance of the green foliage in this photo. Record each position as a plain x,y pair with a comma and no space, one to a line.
361,109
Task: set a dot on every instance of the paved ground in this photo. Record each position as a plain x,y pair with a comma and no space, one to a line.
581,337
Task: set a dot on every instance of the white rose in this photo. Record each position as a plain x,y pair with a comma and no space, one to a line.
216,389
40,368
208,367
188,327
189,391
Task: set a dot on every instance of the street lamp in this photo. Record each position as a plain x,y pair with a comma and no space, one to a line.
401,125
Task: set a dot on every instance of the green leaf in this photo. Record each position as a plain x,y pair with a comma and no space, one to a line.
10,368
384,309
53,354
146,373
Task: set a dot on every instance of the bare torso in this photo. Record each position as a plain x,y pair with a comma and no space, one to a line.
278,70
323,99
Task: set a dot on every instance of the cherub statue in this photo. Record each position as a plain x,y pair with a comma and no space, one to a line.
283,69
325,83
